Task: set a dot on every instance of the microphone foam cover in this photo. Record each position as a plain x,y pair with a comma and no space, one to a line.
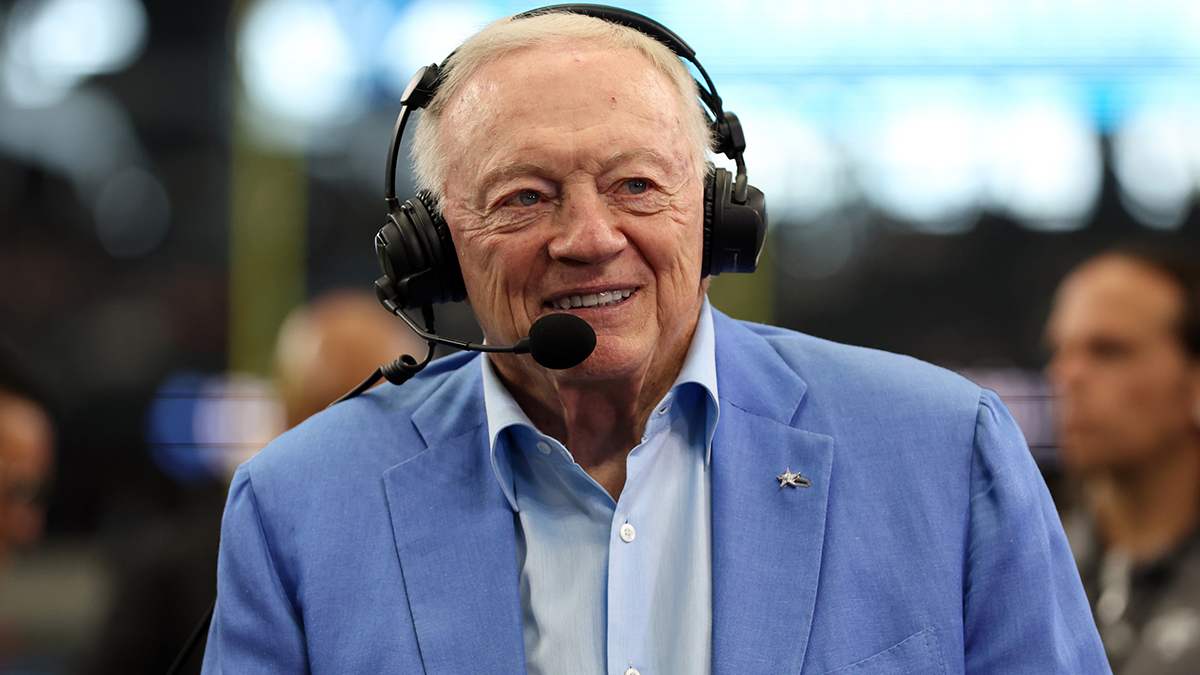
560,341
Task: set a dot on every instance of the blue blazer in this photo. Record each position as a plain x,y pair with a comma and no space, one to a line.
374,538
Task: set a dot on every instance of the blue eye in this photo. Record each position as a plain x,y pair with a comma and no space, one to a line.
637,186
528,198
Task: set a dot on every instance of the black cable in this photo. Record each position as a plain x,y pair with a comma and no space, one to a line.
402,369
397,372
190,646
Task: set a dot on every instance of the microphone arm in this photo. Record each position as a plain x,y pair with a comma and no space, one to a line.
521,346
403,368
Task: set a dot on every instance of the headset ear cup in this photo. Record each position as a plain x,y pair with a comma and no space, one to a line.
734,233
417,255
444,258
710,212
400,256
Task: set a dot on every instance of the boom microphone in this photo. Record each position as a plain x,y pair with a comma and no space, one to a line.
556,341
560,341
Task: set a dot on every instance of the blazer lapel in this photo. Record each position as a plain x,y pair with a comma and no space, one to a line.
455,538
767,538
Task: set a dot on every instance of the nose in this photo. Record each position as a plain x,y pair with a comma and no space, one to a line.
1065,372
588,230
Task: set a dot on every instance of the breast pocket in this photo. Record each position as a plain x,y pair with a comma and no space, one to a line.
916,655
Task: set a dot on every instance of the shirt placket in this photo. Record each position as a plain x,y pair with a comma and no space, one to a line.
631,563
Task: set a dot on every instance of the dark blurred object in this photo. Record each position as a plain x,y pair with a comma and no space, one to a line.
166,565
1125,338
166,576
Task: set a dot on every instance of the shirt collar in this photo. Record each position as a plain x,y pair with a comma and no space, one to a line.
699,367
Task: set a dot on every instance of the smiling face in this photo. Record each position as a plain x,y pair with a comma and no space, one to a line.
572,189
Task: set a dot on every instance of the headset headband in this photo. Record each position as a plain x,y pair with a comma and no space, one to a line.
731,142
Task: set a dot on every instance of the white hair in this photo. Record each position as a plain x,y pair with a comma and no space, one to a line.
509,35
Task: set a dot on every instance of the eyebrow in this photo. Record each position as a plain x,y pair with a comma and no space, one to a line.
636,154
508,170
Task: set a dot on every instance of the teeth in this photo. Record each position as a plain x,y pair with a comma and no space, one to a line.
592,299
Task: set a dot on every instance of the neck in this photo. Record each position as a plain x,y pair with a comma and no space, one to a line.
599,421
1147,510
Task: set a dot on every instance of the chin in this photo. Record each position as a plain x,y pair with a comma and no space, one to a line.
611,360
1085,454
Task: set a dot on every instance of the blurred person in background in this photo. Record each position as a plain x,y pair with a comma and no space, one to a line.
26,459
328,346
1124,333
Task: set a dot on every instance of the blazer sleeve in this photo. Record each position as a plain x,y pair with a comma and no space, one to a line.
1024,609
255,627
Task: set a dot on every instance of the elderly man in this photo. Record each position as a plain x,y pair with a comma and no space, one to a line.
699,495
1125,338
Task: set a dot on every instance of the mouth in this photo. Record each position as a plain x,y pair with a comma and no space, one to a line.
589,300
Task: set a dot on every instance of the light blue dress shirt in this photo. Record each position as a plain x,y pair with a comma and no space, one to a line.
610,587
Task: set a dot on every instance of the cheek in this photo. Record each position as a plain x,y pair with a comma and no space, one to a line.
674,241
498,271
1136,410
676,254
475,248
1150,388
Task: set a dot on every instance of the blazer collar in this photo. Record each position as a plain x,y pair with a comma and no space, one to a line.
751,373
455,538
456,404
767,537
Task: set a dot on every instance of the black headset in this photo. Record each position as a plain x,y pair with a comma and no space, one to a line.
415,249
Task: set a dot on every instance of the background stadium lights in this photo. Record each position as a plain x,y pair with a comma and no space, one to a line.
425,32
924,167
132,213
1156,156
870,37
296,62
789,158
934,112
50,46
1044,165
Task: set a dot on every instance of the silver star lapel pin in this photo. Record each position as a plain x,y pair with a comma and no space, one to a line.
793,479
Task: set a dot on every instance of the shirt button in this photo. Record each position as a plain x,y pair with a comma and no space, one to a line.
544,447
632,671
627,535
